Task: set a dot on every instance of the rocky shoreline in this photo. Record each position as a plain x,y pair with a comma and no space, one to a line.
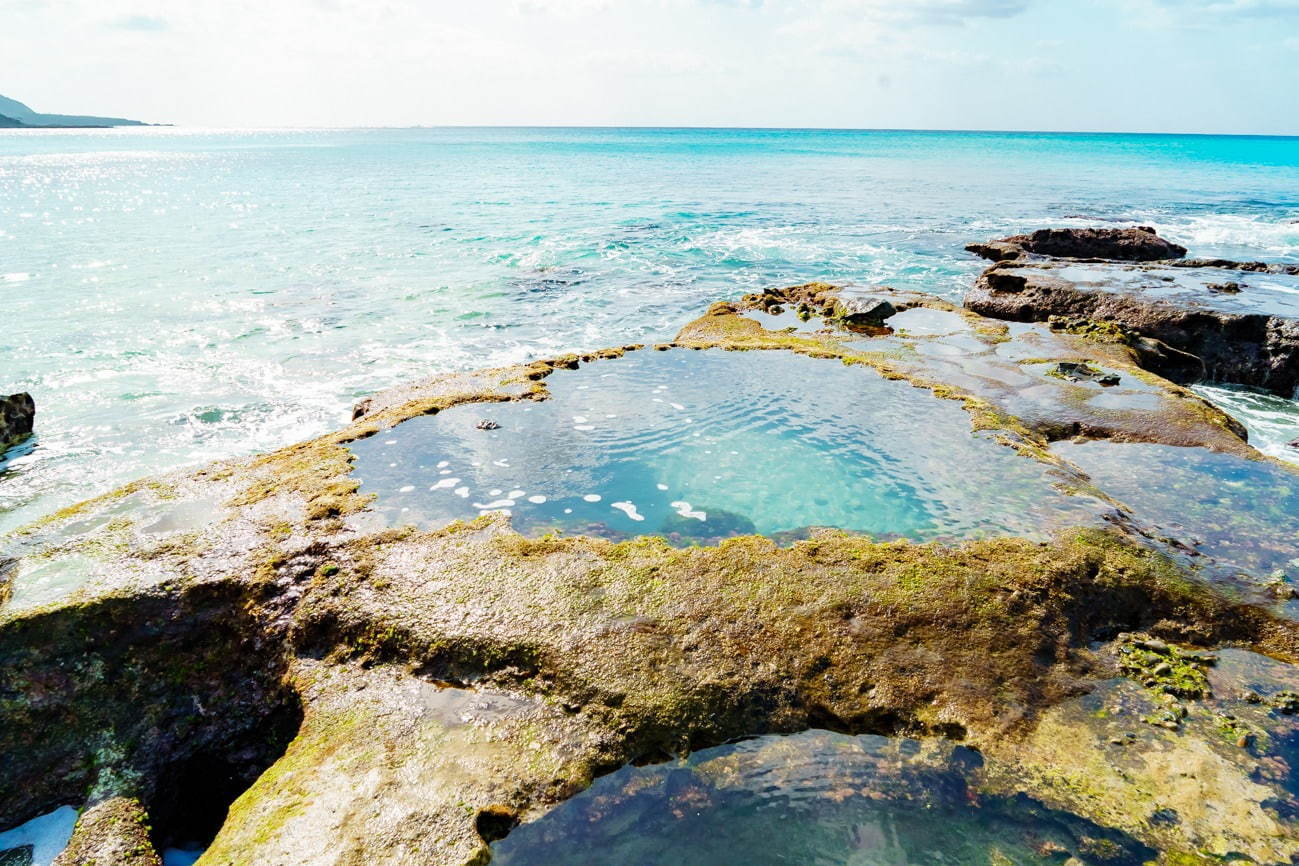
1224,321
251,657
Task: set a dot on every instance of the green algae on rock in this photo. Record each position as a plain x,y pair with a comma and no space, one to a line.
112,833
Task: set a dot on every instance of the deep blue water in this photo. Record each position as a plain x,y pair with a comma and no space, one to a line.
171,296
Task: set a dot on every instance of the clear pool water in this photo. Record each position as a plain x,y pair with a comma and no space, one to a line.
42,838
699,445
1241,514
815,799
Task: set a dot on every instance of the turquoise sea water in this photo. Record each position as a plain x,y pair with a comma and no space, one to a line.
171,296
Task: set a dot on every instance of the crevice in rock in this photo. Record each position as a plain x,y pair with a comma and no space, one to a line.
193,796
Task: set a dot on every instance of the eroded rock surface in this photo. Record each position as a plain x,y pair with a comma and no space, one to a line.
1214,319
1249,336
383,693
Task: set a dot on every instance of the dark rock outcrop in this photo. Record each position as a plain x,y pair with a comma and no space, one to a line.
133,694
17,413
1231,265
864,307
1140,244
1234,341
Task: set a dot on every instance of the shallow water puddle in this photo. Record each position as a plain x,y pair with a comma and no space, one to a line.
924,322
42,839
37,582
704,445
1243,514
786,319
58,569
813,798
1248,292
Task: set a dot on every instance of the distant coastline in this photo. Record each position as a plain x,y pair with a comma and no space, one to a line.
17,115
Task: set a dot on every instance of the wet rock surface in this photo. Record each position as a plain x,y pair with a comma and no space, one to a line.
373,692
1217,320
17,417
115,831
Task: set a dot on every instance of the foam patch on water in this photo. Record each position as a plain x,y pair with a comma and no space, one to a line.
628,508
685,509
1269,236
1272,421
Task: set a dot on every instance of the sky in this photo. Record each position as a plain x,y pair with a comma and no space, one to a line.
1219,66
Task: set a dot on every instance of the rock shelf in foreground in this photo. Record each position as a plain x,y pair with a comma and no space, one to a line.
389,694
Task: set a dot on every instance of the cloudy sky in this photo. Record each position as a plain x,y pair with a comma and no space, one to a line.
1139,65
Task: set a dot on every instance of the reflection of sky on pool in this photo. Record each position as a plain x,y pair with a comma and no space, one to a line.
815,798
708,444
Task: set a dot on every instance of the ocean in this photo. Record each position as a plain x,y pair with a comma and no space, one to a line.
172,296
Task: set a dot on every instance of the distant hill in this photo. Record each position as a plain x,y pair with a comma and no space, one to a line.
14,113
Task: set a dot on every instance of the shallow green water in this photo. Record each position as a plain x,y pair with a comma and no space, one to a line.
702,445
814,799
1241,514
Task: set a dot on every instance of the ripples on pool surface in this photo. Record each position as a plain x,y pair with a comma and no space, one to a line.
813,799
703,445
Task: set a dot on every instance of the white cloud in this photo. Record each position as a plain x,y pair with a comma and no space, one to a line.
817,62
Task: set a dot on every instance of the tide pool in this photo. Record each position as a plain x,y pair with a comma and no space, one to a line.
702,445
816,798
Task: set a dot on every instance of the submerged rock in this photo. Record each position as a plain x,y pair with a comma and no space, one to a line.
1140,244
20,856
17,415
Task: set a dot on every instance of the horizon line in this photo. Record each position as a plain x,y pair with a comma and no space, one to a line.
662,127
